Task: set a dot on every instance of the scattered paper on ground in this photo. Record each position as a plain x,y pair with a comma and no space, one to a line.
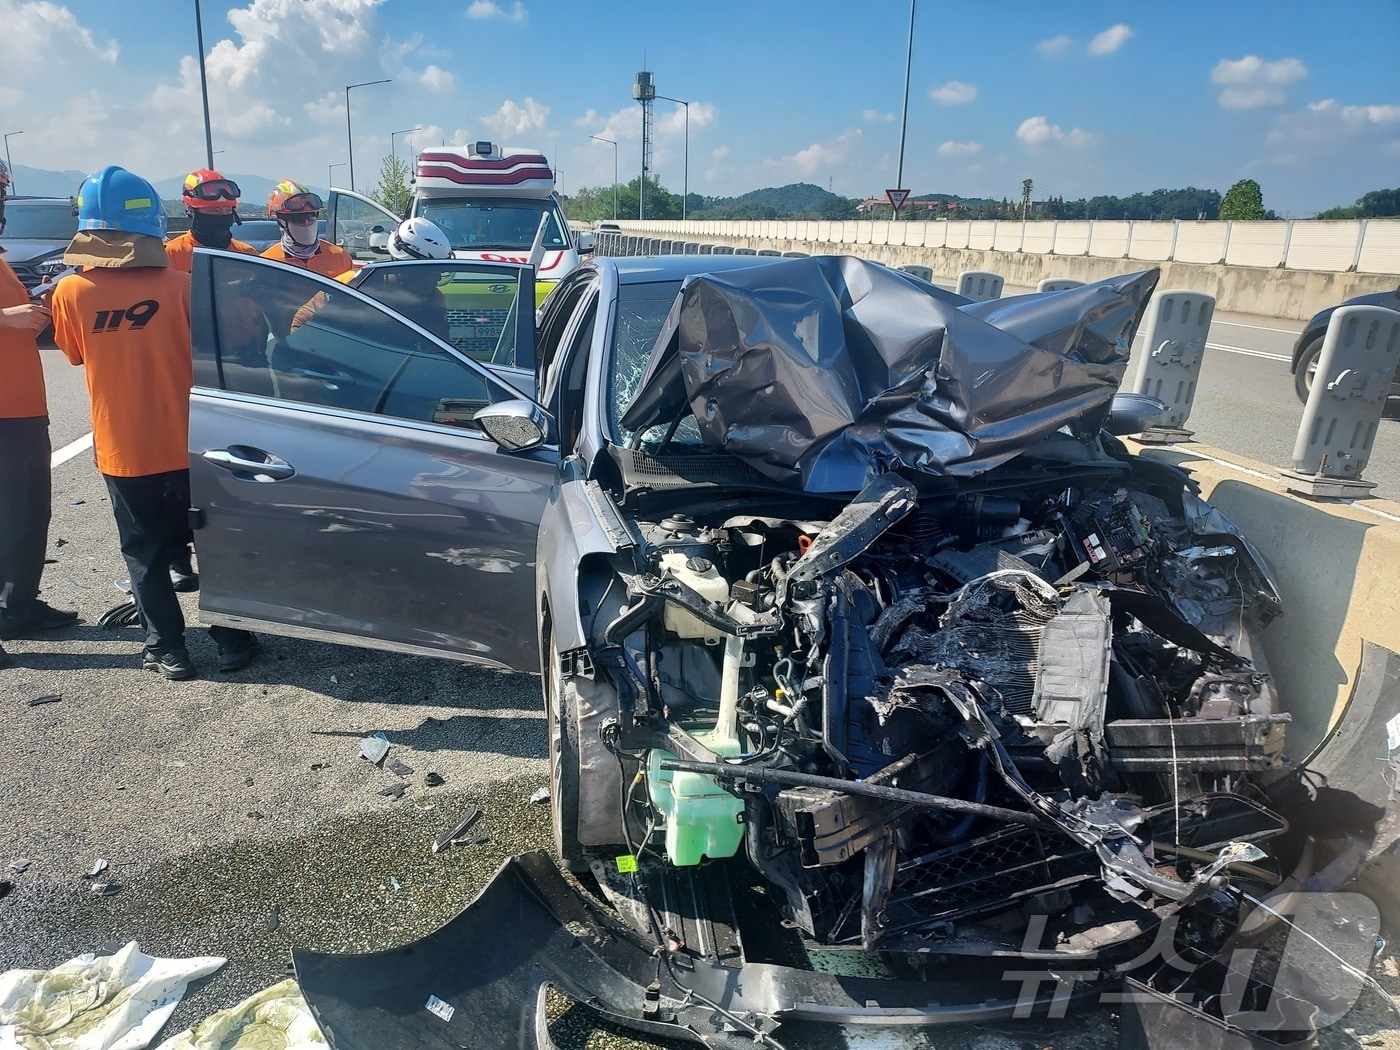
95,1002
276,1018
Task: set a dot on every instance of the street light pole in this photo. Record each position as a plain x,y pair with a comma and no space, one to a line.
203,85
614,146
395,134
904,117
10,167
349,138
685,178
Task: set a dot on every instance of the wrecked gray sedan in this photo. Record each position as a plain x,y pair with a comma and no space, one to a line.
885,687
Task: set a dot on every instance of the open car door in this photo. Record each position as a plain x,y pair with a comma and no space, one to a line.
359,225
341,489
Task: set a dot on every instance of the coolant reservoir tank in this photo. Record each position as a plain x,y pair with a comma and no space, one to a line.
700,575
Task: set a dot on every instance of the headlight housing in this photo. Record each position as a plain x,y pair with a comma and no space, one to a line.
51,266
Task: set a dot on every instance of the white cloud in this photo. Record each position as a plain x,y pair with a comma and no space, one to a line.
719,152
953,93
818,158
514,119
1110,40
1055,46
482,10
437,79
959,149
1251,82
1037,132
1356,116
874,116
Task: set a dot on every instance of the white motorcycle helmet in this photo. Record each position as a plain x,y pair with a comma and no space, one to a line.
419,238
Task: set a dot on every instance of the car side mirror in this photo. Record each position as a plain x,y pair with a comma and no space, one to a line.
586,242
379,240
1133,413
517,425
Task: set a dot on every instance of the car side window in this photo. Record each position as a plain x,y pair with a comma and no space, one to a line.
334,349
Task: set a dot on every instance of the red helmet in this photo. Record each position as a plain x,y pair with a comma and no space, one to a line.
208,189
292,198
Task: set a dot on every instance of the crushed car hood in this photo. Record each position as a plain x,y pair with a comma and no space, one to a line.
858,369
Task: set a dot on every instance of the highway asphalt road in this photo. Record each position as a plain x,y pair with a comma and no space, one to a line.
235,812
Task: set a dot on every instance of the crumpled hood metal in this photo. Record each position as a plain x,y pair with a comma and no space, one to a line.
825,372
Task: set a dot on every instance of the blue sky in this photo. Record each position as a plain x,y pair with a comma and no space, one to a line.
1084,98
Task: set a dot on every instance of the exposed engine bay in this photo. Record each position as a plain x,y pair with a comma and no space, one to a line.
931,715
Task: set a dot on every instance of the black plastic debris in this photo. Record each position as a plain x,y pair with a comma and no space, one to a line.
432,780
47,698
319,765
274,919
400,768
123,614
461,835
394,790
105,889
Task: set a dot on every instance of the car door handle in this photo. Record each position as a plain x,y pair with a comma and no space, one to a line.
238,460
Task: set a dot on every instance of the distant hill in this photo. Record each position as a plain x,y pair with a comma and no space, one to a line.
43,182
794,199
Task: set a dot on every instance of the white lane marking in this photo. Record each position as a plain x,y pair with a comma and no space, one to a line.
1247,352
1257,327
68,451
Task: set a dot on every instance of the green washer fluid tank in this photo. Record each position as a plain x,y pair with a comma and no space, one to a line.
701,818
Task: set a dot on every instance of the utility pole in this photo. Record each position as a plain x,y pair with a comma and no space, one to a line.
904,117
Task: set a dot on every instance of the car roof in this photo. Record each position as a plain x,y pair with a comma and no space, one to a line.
640,269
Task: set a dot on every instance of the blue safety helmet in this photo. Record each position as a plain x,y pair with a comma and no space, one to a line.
115,199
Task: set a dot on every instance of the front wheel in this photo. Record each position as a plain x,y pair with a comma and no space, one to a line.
561,717
1306,371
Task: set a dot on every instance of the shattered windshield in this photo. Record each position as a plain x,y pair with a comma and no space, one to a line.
641,314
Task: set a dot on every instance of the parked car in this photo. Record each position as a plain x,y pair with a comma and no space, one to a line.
1308,349
860,635
263,233
37,232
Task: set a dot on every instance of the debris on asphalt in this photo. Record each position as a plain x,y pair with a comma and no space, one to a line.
98,867
460,834
77,503
432,780
394,883
374,747
5,887
319,765
47,698
19,865
402,770
540,795
274,919
112,999
105,889
394,790
335,680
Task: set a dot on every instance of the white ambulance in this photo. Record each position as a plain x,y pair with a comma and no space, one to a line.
494,203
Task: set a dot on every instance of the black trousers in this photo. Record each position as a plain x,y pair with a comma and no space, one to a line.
26,486
153,526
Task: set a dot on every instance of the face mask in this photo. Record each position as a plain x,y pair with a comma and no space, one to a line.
304,235
213,231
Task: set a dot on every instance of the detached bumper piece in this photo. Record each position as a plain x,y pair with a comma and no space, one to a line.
481,981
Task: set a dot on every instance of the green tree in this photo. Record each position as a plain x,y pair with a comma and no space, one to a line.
1243,200
393,191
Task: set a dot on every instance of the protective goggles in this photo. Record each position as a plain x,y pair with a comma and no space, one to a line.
302,202
215,190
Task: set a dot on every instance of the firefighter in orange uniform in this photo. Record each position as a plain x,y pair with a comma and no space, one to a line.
295,208
212,204
126,317
25,477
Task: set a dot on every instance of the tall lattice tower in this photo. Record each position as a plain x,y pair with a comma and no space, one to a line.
644,91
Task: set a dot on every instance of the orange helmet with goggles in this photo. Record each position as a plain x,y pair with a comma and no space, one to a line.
208,189
292,198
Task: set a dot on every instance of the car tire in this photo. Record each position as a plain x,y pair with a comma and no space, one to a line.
1307,369
561,718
